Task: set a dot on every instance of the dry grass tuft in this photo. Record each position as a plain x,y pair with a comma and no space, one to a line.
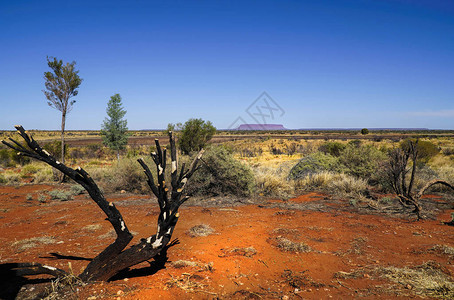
247,251
200,230
92,227
272,182
289,246
187,282
443,249
428,280
186,263
282,231
300,280
26,244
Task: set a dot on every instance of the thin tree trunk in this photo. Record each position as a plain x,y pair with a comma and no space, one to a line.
63,123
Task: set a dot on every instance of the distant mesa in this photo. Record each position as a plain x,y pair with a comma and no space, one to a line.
261,127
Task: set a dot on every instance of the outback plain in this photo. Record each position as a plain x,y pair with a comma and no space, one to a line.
275,215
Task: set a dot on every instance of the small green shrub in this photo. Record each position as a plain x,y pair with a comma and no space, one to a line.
54,148
313,164
5,158
126,175
42,198
77,189
30,169
426,149
11,178
361,161
221,174
61,195
2,179
332,148
44,174
29,197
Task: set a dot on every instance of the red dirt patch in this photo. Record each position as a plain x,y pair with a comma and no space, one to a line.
240,259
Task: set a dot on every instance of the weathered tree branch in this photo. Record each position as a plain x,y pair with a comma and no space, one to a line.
397,176
432,183
114,258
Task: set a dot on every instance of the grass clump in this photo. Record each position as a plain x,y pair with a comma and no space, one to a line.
61,195
443,249
77,189
428,279
271,183
346,185
287,245
26,244
200,230
238,251
179,264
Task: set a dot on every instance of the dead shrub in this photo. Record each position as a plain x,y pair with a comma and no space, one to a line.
179,264
247,251
287,245
200,230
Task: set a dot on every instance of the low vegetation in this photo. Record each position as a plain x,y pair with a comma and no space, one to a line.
257,167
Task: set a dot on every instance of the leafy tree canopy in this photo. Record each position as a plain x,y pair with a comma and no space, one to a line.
194,135
61,84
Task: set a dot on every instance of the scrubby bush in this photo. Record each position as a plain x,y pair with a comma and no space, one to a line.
448,151
9,158
313,164
44,174
221,174
276,150
332,148
2,179
54,148
5,158
361,161
60,195
426,149
125,175
30,169
77,189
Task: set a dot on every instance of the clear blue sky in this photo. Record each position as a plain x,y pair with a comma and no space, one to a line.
384,63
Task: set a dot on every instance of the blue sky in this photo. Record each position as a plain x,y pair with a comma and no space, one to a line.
386,63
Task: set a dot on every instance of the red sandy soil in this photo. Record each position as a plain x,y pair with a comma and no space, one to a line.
339,241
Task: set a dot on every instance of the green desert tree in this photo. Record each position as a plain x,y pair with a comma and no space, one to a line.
114,128
195,134
61,84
